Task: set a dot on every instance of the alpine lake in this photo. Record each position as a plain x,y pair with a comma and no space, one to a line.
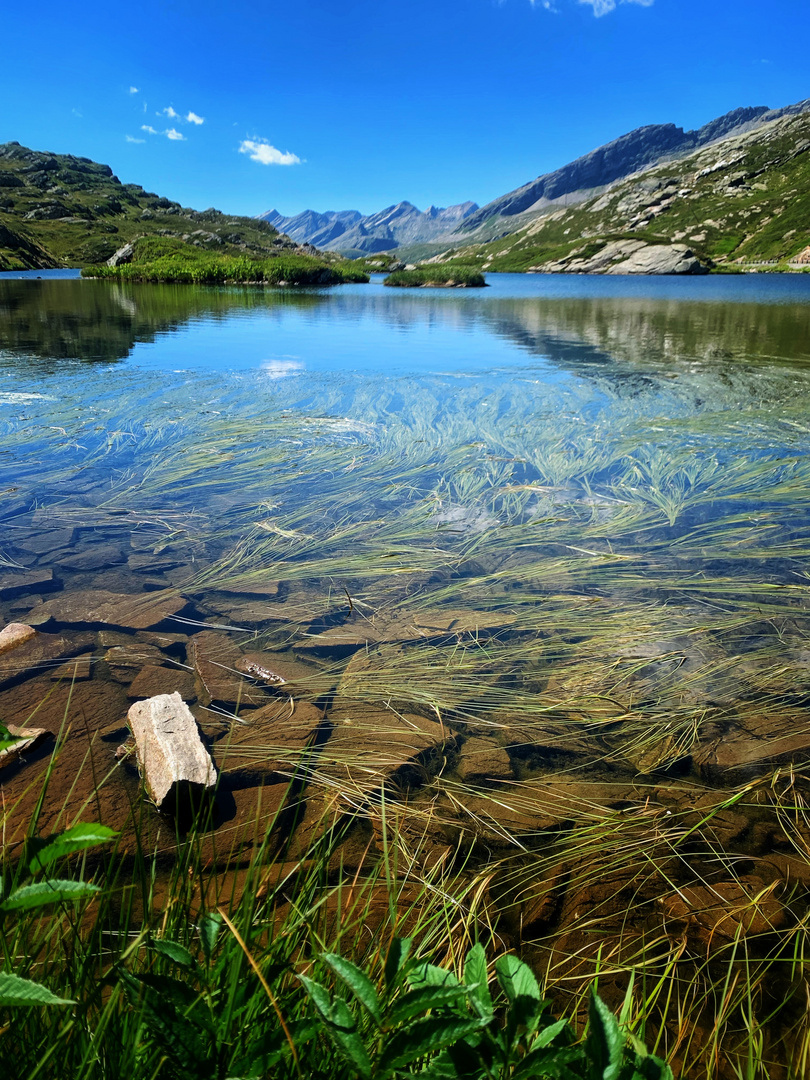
533,563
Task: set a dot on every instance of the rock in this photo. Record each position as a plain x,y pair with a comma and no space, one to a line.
93,557
739,758
126,660
40,652
424,626
660,259
146,563
274,742
723,910
98,607
14,582
272,670
46,541
214,657
123,255
74,670
370,744
166,641
483,759
29,739
15,634
251,585
174,763
152,681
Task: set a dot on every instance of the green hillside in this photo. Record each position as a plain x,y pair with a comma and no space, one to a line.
740,201
59,210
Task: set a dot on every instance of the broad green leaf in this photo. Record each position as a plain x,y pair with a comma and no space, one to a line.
209,928
340,1026
516,978
552,1064
475,977
357,981
419,1001
427,1036
549,1034
650,1067
605,1042
78,838
395,960
176,952
14,990
430,975
47,892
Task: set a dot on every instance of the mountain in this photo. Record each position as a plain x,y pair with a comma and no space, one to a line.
740,199
349,232
615,160
60,210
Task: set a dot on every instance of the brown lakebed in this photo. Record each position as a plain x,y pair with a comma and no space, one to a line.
543,632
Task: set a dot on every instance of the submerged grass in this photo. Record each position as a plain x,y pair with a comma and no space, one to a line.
591,599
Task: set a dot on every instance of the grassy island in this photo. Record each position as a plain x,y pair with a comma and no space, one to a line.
437,277
169,261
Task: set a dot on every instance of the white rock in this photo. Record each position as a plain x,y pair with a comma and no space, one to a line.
173,761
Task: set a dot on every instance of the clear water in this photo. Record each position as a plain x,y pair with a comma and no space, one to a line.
568,516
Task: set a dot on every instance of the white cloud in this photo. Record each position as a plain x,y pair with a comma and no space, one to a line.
148,128
133,89
172,115
174,135
604,7
194,119
260,150
132,139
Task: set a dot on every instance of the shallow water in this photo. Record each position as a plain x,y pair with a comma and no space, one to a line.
565,516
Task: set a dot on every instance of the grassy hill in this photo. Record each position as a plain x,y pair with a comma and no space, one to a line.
59,210
741,201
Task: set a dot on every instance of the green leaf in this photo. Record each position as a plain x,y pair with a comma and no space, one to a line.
47,892
430,975
78,838
340,1026
605,1042
357,981
475,977
516,978
551,1063
426,1036
627,1005
395,961
419,1001
179,954
549,1034
209,928
15,991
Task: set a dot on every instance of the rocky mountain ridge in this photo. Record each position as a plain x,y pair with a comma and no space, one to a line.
740,202
629,153
351,233
61,210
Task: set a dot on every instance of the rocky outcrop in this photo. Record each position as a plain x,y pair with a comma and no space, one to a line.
629,257
98,607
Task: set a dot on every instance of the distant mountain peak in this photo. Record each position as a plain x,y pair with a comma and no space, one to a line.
350,231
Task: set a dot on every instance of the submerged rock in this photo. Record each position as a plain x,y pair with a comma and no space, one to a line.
15,634
214,658
15,582
175,766
29,739
98,607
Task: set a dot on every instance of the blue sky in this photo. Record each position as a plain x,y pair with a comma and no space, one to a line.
360,103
